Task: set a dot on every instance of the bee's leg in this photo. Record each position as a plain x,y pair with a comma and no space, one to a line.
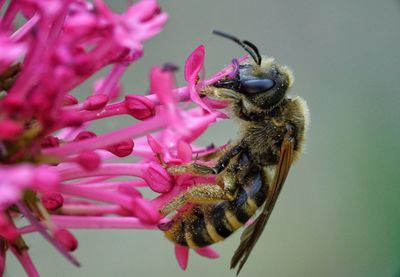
220,93
200,169
224,160
212,156
197,194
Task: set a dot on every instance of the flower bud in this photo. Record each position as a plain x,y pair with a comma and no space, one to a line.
95,102
89,160
139,106
84,135
66,239
50,141
52,201
69,100
121,149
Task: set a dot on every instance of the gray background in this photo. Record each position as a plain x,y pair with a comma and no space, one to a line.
338,214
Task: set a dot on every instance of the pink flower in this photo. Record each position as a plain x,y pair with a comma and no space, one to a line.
57,173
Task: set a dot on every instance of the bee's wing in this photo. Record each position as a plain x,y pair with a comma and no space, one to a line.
253,232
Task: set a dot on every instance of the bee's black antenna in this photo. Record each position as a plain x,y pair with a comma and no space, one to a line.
246,45
255,49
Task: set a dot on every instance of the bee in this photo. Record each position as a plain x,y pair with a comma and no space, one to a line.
250,173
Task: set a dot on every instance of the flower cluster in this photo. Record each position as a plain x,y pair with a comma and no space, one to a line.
53,170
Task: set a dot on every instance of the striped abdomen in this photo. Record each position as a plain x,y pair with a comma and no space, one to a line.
206,224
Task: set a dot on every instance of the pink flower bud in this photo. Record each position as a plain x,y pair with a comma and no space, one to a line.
66,239
69,100
121,149
84,135
89,160
139,106
158,179
95,102
10,129
50,141
52,201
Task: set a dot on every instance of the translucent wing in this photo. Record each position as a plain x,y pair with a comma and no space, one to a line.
253,232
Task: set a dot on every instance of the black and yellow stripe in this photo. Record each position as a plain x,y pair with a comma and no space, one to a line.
206,224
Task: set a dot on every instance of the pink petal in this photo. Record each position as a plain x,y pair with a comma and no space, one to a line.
158,179
194,64
162,82
182,256
207,252
184,151
155,146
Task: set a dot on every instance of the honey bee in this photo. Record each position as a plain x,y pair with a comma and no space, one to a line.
250,173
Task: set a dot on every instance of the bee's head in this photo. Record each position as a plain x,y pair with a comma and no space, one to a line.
260,83
262,87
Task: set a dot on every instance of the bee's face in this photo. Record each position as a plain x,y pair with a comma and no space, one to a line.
263,86
258,88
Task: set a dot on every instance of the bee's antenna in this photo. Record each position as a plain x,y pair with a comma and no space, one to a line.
246,45
255,49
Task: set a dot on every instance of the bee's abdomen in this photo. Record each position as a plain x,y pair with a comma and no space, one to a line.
206,224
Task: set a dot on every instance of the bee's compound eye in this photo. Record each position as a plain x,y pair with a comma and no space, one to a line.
257,85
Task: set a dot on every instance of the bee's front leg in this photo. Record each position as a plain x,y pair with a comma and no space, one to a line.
220,93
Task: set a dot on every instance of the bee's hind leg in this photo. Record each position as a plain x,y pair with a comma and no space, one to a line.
198,194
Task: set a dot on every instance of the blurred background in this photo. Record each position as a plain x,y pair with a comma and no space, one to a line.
339,212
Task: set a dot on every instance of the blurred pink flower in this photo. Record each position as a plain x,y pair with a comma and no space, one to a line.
53,170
